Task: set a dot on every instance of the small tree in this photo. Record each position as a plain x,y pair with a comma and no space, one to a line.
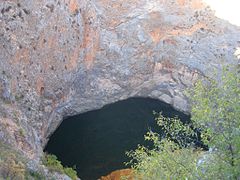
215,113
172,157
216,109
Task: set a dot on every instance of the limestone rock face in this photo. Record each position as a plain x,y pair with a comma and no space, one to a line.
64,57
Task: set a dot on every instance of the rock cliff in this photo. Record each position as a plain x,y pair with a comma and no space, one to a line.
63,57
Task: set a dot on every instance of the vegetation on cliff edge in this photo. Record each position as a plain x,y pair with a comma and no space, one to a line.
54,164
216,113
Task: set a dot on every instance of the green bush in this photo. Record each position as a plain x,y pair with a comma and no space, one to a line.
54,164
216,112
70,172
169,158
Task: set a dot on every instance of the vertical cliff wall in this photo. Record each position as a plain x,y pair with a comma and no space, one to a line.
64,57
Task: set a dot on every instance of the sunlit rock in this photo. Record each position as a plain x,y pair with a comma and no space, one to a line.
65,57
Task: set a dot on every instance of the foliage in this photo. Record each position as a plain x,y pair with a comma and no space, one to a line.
70,172
216,113
34,175
169,158
54,164
184,134
216,108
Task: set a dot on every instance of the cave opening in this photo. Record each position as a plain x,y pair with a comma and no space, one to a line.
95,142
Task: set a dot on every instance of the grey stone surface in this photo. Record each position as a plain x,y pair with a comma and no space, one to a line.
65,57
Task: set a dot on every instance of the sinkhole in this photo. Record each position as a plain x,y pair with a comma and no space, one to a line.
95,142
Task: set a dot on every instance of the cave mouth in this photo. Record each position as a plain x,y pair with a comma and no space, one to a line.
95,142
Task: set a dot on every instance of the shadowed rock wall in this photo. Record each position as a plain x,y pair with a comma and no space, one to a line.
64,57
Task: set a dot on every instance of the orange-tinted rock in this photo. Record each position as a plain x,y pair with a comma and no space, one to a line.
60,58
126,174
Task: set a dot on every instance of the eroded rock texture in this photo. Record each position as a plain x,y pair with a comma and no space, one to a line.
63,57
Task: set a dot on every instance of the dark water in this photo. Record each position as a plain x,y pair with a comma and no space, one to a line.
96,141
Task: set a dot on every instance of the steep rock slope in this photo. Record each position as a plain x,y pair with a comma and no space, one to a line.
63,57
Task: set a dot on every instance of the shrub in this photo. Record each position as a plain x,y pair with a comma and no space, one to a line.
54,164
70,172
170,157
216,113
